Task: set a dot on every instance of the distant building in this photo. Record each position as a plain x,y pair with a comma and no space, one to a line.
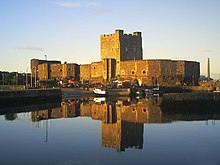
14,78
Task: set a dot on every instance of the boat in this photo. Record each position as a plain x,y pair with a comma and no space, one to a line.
153,91
100,92
99,99
156,90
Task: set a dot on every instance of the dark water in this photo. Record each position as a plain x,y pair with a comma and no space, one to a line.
123,131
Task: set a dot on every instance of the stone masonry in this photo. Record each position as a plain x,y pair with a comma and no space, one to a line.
126,50
121,58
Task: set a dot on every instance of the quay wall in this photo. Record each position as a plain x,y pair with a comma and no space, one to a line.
195,97
22,97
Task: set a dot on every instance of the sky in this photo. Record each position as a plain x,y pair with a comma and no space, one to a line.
69,30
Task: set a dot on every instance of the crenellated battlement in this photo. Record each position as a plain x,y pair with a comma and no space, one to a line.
120,32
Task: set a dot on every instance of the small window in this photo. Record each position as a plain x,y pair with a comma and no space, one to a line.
132,72
144,72
133,110
94,68
69,69
60,70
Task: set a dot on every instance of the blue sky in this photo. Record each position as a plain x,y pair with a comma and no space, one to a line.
69,30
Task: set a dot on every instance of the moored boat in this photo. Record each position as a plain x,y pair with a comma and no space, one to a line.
100,92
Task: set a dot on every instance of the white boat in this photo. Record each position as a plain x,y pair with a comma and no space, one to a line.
99,99
98,91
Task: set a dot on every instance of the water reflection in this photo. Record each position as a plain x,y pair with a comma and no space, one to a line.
122,119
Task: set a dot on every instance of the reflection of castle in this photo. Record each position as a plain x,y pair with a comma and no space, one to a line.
120,134
66,111
123,121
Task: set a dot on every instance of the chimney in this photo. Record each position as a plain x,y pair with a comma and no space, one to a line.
208,69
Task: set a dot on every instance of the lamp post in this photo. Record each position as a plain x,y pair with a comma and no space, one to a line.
27,78
35,78
3,78
16,78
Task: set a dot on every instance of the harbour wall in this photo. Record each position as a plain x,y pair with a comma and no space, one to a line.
192,97
23,97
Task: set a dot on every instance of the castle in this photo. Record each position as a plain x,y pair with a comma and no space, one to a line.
122,59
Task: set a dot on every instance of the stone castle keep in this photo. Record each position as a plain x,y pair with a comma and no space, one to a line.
122,59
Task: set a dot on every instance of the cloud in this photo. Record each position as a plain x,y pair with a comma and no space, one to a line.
92,4
81,3
30,48
95,7
68,4
100,11
207,51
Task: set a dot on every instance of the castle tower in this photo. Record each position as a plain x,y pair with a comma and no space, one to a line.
121,47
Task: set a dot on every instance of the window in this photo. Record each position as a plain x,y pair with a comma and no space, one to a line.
132,72
60,70
94,68
144,110
143,71
133,110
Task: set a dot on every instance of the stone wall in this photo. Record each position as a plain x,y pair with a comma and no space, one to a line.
36,62
97,69
71,71
192,72
85,72
56,71
43,70
160,72
131,47
110,45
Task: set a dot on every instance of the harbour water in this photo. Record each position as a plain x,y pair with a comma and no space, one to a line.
109,131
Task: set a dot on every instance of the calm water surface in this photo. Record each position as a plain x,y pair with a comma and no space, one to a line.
99,131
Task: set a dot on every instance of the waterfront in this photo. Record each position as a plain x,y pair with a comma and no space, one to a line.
109,131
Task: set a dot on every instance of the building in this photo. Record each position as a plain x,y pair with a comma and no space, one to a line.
121,47
122,58
160,72
14,78
54,70
65,71
98,71
44,67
